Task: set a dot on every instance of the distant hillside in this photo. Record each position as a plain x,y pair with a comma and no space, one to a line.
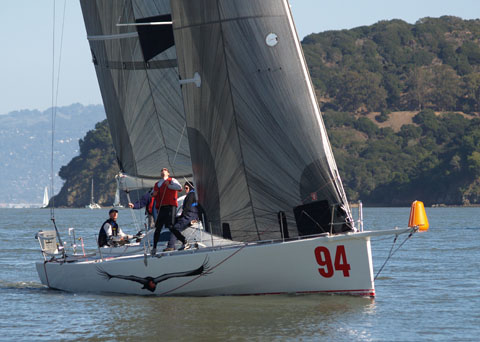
435,159
25,138
364,74
96,161
396,66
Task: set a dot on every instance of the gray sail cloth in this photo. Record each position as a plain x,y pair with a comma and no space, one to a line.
137,72
257,139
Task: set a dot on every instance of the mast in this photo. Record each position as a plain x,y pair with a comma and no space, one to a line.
91,193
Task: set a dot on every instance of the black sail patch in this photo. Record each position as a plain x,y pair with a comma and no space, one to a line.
154,39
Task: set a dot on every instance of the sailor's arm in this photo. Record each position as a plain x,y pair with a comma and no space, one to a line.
175,185
142,202
107,227
123,235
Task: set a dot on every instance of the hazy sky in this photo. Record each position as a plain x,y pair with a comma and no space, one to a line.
26,41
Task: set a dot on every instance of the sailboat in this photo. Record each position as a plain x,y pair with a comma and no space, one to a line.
219,91
45,198
116,200
92,204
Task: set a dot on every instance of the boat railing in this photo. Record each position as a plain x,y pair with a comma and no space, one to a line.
48,243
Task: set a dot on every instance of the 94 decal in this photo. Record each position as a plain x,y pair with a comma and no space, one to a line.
324,259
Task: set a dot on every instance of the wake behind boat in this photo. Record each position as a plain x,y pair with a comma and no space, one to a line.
219,91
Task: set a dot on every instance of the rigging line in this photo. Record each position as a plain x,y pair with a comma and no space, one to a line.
128,9
209,271
60,56
134,216
179,142
390,254
52,211
52,174
55,98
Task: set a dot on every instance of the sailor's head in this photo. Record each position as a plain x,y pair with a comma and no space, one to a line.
188,187
164,174
113,213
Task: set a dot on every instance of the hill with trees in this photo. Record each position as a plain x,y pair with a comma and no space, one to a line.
396,66
96,161
401,106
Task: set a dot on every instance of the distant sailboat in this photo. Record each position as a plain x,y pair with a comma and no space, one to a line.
116,201
92,204
45,198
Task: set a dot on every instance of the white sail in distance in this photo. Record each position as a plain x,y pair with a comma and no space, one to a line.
45,198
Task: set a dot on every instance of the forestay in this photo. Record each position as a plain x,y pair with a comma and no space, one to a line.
136,67
257,139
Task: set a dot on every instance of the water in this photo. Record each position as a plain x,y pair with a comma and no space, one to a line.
429,291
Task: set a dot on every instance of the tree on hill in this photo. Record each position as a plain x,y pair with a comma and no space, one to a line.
96,161
389,168
398,66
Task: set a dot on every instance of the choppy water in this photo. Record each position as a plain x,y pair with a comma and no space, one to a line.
429,291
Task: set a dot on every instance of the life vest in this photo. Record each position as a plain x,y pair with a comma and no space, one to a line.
102,235
165,196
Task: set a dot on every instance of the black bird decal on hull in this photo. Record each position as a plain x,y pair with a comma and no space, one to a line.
150,283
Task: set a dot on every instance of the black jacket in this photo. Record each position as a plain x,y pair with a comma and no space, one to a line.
102,235
190,206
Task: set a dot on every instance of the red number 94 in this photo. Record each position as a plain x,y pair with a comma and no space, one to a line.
322,255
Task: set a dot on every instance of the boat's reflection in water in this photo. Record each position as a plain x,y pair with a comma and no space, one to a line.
302,317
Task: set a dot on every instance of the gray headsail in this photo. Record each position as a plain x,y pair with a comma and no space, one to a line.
136,67
257,139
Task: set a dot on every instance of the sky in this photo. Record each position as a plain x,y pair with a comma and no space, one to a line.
27,44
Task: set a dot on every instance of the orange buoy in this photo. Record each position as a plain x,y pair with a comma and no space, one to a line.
418,216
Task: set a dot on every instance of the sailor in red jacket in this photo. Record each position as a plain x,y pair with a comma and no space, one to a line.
165,193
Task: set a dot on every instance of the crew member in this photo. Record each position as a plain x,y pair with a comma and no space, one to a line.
110,233
165,193
186,219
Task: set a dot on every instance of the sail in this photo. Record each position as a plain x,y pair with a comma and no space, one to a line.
116,200
136,67
257,140
45,198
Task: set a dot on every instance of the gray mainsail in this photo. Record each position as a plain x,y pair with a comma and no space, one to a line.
136,67
257,140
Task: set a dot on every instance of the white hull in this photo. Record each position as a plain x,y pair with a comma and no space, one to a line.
245,269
